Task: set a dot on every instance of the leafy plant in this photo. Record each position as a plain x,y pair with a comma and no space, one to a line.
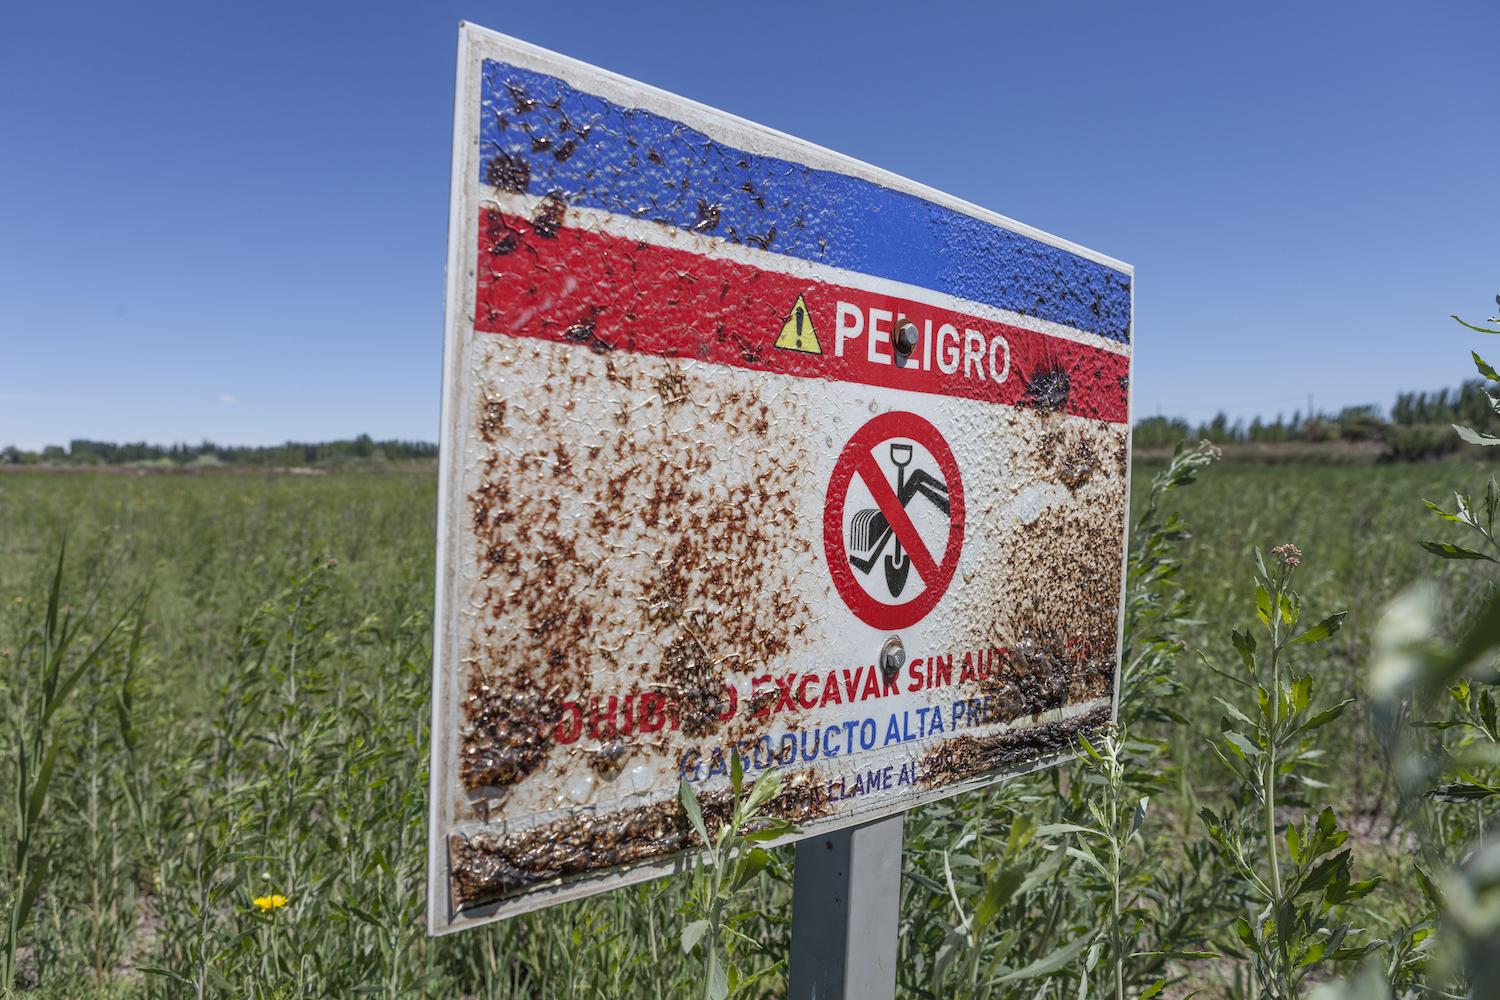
1156,607
1448,785
42,661
1266,747
727,866
1000,901
1116,824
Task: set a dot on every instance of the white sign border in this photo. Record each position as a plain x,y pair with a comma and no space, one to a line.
476,43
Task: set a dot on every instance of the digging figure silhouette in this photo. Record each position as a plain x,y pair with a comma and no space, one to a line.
870,532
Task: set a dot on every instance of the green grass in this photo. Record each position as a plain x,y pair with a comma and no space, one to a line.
270,739
1358,529
213,544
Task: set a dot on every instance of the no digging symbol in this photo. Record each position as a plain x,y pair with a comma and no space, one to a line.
893,526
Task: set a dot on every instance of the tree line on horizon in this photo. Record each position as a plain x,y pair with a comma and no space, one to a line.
292,453
1420,424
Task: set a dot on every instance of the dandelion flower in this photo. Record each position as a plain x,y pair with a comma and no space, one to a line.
268,903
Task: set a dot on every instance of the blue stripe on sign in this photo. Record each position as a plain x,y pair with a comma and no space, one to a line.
538,135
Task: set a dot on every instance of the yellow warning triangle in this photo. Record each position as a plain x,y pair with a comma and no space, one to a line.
797,332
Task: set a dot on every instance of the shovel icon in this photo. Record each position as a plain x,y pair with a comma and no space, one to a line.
897,566
871,532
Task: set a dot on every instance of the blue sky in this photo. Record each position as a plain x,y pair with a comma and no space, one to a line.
229,221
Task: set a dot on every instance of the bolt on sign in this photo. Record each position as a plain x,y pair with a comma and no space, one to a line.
747,445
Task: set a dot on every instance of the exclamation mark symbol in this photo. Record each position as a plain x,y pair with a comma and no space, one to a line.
798,312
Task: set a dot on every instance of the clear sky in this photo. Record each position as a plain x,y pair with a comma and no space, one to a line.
228,221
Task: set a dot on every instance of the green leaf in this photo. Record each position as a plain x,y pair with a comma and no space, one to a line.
1324,871
1022,829
23,910
996,894
39,790
752,863
1153,989
1042,873
1246,934
1430,888
1232,710
363,915
1462,791
1298,695
1263,605
1242,745
151,970
1471,326
1051,963
1084,854
1448,550
766,788
1291,608
1245,643
217,978
718,983
1359,889
755,977
62,691
736,771
53,595
1483,366
1458,518
694,814
1140,813
692,933
1327,827
1474,437
1323,629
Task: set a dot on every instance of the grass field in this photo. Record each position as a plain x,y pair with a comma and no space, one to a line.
266,740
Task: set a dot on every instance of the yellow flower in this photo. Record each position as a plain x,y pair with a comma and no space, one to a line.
269,903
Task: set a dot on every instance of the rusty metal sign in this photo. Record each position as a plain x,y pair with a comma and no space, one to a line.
747,445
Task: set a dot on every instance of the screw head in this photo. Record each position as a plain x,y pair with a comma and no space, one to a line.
892,657
907,338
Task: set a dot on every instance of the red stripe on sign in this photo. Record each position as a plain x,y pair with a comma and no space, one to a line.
539,279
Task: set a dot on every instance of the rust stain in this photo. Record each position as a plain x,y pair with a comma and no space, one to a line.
509,173
549,216
967,756
492,865
1080,464
583,333
1049,593
645,531
632,558
1048,388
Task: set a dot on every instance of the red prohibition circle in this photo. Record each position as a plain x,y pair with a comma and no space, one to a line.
857,458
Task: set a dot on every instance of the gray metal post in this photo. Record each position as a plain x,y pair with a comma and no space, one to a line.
846,892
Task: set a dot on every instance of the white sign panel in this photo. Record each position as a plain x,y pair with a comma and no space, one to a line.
747,445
